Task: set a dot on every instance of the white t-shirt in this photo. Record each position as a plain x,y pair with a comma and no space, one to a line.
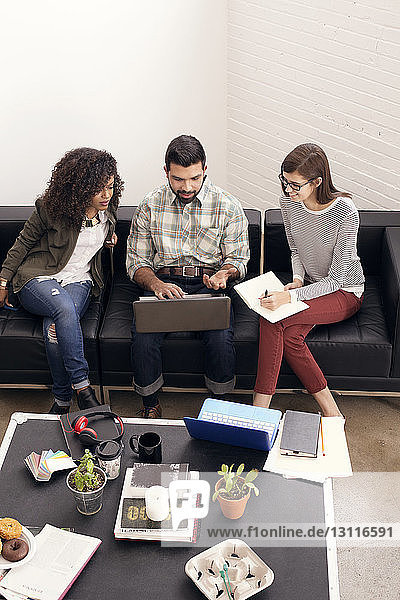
90,240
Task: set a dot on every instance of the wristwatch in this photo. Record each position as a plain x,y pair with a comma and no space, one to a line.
3,283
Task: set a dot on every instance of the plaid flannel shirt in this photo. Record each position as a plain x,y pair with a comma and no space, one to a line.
209,231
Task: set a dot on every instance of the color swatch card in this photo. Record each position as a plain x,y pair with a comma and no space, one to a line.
43,465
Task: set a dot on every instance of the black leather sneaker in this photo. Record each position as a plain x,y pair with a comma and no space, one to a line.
87,398
57,409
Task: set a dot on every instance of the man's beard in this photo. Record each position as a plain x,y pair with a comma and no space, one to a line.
187,200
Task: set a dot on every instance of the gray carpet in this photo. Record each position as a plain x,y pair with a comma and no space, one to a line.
368,568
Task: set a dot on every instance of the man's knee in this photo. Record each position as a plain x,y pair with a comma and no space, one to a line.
218,337
145,342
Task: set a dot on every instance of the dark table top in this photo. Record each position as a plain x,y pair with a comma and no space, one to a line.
130,569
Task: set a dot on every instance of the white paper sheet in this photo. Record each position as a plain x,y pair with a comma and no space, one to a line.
335,463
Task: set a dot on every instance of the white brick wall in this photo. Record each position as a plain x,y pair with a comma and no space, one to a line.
326,71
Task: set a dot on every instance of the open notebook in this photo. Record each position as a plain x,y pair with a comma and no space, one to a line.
251,290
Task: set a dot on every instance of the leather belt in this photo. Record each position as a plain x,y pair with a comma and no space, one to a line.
186,271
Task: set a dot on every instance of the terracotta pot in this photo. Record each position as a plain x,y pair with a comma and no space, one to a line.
232,509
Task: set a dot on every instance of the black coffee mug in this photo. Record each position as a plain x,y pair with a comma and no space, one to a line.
147,446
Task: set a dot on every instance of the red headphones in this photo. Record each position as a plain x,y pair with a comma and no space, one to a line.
87,435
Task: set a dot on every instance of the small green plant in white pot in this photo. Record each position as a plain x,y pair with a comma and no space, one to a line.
233,490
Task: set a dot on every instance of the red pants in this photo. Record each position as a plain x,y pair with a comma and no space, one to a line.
287,338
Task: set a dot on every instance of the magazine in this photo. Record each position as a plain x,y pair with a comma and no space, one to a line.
132,521
60,557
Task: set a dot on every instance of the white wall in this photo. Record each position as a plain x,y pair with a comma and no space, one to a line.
326,71
126,76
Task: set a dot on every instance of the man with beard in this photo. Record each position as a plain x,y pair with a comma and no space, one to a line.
187,236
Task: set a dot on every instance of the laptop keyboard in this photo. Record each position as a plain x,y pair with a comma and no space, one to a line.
239,422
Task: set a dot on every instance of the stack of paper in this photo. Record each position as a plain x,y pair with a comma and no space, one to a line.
335,463
43,465
250,291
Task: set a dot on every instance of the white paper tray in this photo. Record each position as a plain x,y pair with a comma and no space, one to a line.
248,574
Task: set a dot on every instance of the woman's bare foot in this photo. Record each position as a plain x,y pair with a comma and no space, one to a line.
327,403
263,400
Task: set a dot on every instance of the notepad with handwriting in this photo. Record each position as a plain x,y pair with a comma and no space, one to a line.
251,290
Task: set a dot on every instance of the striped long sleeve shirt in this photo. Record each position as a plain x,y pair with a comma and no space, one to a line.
323,247
210,231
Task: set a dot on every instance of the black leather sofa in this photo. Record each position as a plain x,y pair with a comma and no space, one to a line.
363,352
182,352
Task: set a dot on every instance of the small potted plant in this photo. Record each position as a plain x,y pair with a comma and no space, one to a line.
87,482
233,490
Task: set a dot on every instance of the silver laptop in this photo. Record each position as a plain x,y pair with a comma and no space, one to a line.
193,312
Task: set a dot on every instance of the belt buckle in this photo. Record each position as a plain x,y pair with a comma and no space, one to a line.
188,267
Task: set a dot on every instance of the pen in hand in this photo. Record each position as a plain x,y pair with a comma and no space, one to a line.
265,295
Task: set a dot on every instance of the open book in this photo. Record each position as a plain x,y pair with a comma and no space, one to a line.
60,557
251,290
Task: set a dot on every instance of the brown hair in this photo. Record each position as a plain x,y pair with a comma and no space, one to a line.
311,162
75,179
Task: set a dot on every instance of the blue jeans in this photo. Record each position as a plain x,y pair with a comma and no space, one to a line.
63,307
218,346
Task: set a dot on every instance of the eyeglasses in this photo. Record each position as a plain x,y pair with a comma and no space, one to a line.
296,187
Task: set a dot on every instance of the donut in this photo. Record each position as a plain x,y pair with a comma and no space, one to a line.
14,550
10,528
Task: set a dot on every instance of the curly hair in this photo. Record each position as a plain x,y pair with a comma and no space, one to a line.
76,178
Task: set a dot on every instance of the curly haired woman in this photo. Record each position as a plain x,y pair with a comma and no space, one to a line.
55,263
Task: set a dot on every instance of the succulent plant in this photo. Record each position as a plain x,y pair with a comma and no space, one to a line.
236,486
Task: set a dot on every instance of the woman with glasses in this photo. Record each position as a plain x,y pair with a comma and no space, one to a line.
55,264
321,225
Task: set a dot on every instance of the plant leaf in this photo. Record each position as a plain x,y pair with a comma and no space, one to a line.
215,495
251,475
240,469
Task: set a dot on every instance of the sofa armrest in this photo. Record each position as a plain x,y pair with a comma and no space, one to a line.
390,270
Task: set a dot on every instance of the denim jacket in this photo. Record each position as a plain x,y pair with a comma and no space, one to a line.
44,247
